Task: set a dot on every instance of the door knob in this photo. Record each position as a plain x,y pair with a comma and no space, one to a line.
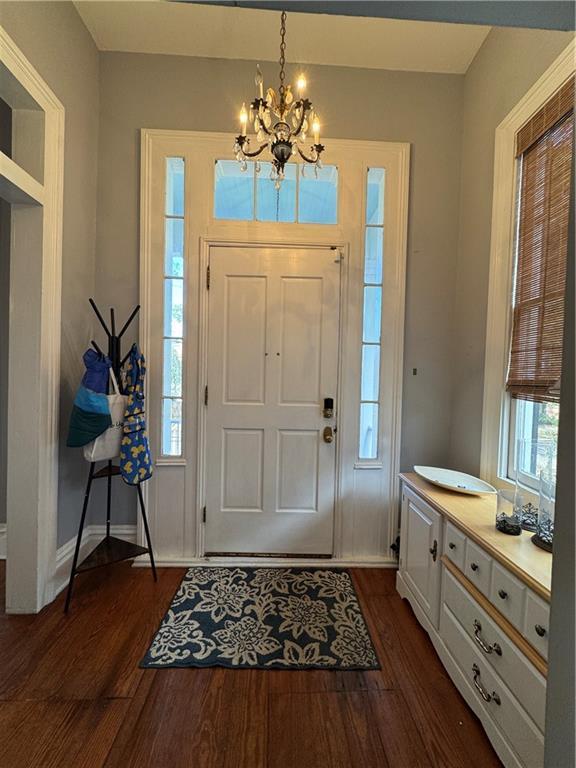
328,435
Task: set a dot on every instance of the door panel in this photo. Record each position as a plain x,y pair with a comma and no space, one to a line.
297,470
272,359
242,469
245,368
301,340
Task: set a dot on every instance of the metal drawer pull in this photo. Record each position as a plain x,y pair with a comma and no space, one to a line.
474,566
502,594
452,545
434,550
479,687
494,648
540,630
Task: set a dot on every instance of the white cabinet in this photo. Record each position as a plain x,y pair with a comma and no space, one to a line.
420,550
480,616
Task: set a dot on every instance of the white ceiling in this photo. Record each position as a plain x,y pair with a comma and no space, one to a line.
183,29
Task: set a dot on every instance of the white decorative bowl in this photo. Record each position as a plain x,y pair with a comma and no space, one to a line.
455,481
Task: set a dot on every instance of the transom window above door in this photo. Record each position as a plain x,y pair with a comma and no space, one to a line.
306,195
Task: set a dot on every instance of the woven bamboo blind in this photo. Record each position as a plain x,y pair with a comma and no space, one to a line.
557,106
537,331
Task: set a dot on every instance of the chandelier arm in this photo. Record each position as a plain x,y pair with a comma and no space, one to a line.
305,112
311,159
263,127
254,154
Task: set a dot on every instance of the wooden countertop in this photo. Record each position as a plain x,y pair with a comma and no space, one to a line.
476,517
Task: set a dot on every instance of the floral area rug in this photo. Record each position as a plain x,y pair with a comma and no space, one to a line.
267,618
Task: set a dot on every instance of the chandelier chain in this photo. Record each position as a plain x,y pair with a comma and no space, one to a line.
282,60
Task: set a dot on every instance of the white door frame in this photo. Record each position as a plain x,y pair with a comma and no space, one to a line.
366,514
206,244
34,361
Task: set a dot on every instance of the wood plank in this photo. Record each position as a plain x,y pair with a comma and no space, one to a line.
332,730
476,517
53,734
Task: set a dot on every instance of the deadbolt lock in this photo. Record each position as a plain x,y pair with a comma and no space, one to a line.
328,410
328,435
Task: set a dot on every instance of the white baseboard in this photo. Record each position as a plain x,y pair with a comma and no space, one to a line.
2,541
285,562
93,534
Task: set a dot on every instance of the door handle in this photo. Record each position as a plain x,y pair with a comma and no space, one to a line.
434,550
328,435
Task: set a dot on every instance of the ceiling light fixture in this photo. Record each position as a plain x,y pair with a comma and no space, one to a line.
280,123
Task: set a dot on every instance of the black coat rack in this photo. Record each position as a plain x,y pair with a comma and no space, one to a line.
110,549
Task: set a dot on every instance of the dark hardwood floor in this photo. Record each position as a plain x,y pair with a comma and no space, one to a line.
72,694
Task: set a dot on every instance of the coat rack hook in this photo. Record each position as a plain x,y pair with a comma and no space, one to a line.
127,323
99,316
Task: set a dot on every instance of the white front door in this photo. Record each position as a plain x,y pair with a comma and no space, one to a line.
272,360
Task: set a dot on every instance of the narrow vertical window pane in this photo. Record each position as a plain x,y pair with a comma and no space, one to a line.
173,307
174,248
375,196
276,204
370,381
368,448
172,373
175,186
318,195
372,314
373,255
233,191
172,427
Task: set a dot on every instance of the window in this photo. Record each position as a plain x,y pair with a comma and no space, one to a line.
308,195
372,314
173,325
544,156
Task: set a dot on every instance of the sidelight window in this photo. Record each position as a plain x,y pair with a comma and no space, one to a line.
372,314
173,315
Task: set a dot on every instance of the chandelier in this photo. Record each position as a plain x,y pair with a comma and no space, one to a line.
280,123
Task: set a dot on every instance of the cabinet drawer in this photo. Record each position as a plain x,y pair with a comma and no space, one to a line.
498,650
537,623
507,594
478,567
502,707
454,545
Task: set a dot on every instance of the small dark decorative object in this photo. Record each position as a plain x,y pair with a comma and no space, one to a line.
509,512
544,535
529,517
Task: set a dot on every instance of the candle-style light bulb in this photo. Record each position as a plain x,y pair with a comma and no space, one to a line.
259,80
243,119
301,85
316,130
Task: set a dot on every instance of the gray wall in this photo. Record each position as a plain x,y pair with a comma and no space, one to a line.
506,66
56,42
148,91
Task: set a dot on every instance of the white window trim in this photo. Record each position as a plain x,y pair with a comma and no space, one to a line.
496,404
